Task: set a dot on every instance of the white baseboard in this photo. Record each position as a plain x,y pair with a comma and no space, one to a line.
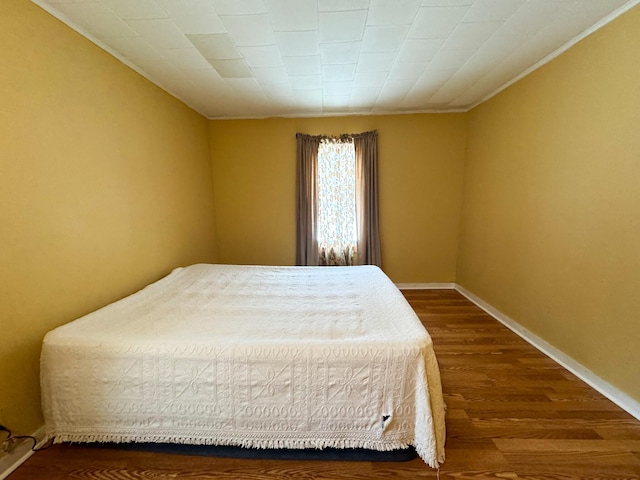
20,454
426,286
618,397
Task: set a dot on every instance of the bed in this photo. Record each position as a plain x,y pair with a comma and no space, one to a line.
250,356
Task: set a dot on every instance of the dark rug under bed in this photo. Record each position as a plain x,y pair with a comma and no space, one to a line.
343,454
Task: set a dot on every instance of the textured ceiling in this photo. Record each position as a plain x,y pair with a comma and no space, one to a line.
259,58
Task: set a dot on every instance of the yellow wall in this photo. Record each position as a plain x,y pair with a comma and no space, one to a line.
105,186
551,217
420,170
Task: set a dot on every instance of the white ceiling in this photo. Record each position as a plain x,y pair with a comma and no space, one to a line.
260,58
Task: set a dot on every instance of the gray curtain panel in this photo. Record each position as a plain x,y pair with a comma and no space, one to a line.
306,194
366,148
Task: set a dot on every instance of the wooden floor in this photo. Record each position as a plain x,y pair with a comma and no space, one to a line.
512,414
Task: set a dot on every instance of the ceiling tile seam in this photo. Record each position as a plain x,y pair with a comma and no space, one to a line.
349,10
135,18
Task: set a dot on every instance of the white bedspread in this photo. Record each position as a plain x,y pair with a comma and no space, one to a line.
266,357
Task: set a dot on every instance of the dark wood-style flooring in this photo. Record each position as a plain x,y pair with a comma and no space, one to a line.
512,414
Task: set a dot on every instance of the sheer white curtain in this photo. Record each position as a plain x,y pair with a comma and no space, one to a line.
336,199
337,202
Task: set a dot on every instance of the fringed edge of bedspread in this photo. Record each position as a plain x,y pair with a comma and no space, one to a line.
275,443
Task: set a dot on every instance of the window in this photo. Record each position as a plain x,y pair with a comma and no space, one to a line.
337,200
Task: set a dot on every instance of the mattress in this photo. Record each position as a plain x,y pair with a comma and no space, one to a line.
251,356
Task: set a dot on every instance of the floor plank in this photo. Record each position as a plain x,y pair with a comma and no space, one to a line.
513,413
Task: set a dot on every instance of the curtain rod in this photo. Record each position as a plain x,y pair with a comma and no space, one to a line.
344,136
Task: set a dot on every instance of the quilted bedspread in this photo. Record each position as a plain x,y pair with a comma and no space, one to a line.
263,357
